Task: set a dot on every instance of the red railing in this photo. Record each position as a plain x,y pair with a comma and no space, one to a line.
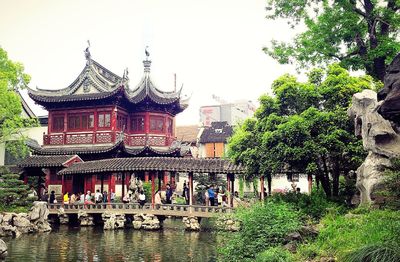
70,138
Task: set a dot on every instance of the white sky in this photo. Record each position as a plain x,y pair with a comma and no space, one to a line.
214,46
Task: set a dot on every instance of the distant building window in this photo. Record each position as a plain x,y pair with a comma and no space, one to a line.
137,124
104,120
57,124
80,122
122,122
218,131
157,124
293,177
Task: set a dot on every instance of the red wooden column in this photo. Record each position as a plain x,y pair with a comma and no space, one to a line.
93,190
232,185
228,190
62,190
165,179
146,176
111,183
127,180
262,188
153,187
123,184
102,183
25,179
172,180
190,176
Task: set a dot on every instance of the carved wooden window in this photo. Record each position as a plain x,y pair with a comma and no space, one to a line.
170,126
80,122
157,123
122,122
58,124
104,120
137,124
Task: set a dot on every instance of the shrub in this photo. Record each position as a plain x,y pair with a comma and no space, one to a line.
315,205
13,191
387,252
262,226
275,254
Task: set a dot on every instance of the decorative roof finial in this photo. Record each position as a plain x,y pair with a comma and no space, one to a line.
147,52
87,52
147,62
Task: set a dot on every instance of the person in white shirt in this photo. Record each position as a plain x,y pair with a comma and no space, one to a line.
142,198
98,196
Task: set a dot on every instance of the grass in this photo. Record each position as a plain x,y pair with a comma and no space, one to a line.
342,235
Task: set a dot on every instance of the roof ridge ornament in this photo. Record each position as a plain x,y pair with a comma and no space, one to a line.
87,54
147,62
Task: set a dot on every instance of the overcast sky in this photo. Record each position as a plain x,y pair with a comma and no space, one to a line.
214,46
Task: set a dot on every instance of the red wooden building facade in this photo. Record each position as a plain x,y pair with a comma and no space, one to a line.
99,116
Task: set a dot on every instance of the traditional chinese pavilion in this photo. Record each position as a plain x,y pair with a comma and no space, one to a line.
98,116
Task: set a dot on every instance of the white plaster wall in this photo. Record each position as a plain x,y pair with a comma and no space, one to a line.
35,133
282,183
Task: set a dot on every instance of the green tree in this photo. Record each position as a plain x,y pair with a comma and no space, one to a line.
358,34
12,78
13,191
304,128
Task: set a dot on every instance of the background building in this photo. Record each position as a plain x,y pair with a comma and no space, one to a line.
232,113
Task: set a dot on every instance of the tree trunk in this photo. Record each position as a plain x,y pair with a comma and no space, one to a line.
335,179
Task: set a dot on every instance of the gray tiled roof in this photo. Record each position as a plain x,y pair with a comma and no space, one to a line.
198,165
218,132
45,161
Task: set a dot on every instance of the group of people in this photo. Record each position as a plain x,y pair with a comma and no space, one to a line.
215,197
82,198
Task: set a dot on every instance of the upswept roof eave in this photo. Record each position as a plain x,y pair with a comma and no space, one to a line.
90,71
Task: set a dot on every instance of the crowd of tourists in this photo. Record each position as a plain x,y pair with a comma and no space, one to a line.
213,196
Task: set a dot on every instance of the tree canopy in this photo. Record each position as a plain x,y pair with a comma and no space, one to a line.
359,34
304,128
12,78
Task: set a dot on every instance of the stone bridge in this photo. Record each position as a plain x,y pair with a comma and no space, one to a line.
135,208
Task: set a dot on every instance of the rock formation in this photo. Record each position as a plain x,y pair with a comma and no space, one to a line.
191,223
113,220
15,224
147,222
63,218
227,223
85,219
380,136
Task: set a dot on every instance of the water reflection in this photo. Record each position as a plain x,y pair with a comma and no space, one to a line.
94,244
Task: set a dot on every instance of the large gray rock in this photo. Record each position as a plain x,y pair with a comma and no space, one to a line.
113,220
379,139
85,219
63,218
191,223
147,222
3,249
38,216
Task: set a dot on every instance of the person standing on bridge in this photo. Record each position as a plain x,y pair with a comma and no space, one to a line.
185,193
168,194
211,195
142,199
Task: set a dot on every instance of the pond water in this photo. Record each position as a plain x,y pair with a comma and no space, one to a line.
93,244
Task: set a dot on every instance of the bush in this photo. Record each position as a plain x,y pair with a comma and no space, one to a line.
344,234
275,254
13,191
387,252
314,205
262,226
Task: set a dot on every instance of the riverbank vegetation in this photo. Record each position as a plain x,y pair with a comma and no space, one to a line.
304,128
